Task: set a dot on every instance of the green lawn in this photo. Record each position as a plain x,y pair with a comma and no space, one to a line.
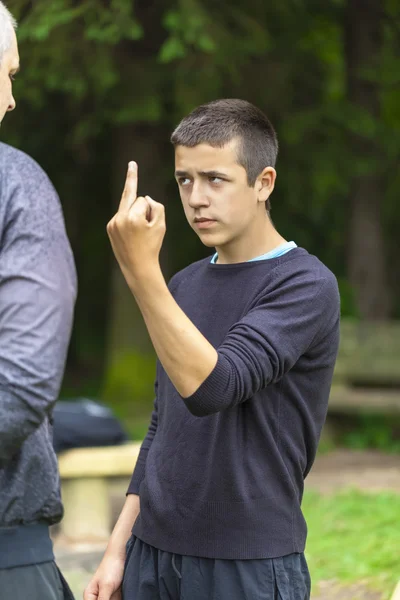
354,537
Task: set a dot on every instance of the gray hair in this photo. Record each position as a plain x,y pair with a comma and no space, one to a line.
7,24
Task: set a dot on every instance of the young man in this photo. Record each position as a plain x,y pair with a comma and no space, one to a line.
246,342
37,297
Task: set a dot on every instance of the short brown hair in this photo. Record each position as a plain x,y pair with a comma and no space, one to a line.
220,121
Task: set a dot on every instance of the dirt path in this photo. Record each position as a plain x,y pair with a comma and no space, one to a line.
369,471
328,590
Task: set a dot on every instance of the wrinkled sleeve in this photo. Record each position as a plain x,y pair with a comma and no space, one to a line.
266,343
37,297
139,471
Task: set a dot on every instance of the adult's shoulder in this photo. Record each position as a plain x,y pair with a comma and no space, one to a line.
24,185
188,272
15,163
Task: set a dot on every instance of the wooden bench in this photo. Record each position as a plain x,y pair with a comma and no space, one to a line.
86,474
367,373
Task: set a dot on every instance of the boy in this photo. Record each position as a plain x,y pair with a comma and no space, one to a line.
246,341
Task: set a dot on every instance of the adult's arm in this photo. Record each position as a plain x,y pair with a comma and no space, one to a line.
37,296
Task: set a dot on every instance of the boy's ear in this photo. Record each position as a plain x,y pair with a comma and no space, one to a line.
266,183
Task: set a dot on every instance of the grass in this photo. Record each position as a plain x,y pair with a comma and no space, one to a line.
354,537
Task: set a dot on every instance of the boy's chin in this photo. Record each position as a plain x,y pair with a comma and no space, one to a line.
210,240
207,243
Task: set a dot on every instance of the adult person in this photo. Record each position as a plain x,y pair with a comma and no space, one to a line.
37,296
247,341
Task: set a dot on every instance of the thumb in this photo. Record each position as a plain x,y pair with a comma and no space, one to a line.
106,591
91,592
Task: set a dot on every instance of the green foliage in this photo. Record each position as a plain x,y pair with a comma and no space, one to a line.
348,306
353,537
101,23
374,431
187,29
129,384
70,49
91,68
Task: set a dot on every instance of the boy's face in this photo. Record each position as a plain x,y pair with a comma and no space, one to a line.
218,202
9,65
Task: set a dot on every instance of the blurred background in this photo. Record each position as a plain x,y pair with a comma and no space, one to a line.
105,81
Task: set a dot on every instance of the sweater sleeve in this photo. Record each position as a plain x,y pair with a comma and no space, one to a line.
262,347
37,296
139,471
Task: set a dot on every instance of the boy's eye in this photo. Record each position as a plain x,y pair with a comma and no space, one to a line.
216,180
184,181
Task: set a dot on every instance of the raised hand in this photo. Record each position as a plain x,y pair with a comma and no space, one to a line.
137,230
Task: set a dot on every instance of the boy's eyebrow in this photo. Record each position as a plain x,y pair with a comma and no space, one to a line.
212,174
201,173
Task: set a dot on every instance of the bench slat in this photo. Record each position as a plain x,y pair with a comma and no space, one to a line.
369,353
108,461
352,400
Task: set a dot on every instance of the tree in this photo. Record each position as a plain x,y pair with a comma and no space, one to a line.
108,80
364,38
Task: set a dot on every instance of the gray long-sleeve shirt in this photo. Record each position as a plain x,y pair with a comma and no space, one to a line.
37,297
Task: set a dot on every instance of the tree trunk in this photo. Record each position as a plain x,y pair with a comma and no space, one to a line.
367,265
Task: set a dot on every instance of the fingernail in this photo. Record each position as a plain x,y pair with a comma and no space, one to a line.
132,165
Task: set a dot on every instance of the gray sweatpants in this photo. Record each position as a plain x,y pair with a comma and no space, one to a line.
34,582
152,574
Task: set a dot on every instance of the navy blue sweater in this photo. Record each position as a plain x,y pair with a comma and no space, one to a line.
220,474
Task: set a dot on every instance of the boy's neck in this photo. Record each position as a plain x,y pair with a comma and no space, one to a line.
262,238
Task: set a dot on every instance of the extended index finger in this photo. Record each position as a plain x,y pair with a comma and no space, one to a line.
130,190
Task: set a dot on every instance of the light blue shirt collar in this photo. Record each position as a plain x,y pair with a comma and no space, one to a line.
278,251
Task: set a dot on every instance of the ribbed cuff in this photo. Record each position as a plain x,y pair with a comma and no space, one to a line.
216,393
